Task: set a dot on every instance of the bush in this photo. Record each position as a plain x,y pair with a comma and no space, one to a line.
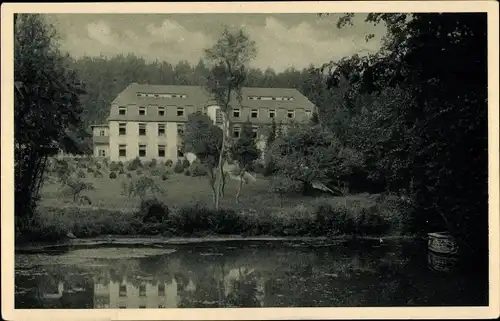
334,219
98,165
121,171
178,168
187,172
114,166
90,170
153,211
164,177
197,169
169,163
81,174
139,173
135,164
112,175
185,163
153,163
129,175
200,219
98,174
156,172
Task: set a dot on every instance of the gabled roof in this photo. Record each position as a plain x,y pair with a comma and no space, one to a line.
197,96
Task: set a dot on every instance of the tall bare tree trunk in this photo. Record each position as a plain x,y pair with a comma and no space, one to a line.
240,187
220,177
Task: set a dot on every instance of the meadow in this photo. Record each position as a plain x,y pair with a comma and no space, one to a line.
185,207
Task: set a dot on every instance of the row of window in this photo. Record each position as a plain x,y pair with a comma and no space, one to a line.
269,98
122,129
172,95
122,151
122,292
122,110
159,95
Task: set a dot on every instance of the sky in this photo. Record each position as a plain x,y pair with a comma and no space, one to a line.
283,40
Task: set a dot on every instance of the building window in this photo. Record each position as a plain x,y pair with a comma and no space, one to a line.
122,110
122,150
142,150
255,113
180,111
272,113
142,129
236,131
255,129
161,111
122,129
122,290
102,153
161,289
180,153
180,129
161,129
236,113
142,111
102,132
290,114
308,113
161,150
142,290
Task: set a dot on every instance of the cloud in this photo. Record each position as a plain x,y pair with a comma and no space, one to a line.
101,32
281,43
281,46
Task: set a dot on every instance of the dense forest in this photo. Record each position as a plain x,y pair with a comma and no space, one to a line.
104,78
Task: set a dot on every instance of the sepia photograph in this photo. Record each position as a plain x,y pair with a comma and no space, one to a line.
232,157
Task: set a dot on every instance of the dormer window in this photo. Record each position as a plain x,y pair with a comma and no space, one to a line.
122,110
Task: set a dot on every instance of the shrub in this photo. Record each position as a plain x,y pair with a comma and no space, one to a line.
187,172
114,166
112,175
98,165
185,163
197,169
129,175
81,174
90,170
121,171
97,174
169,163
198,219
156,172
334,219
178,168
153,163
153,211
135,164
164,177
139,172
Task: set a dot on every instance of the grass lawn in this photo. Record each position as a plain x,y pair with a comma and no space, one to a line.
190,210
181,190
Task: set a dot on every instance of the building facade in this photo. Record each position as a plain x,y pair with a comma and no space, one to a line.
147,121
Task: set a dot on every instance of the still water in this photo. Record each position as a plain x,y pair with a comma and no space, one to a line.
260,274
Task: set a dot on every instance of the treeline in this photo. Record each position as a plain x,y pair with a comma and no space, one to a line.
104,78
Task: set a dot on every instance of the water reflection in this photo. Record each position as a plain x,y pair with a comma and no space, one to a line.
265,276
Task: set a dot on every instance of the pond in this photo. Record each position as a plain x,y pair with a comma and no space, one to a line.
243,274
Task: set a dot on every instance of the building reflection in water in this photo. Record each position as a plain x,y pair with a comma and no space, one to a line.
125,295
